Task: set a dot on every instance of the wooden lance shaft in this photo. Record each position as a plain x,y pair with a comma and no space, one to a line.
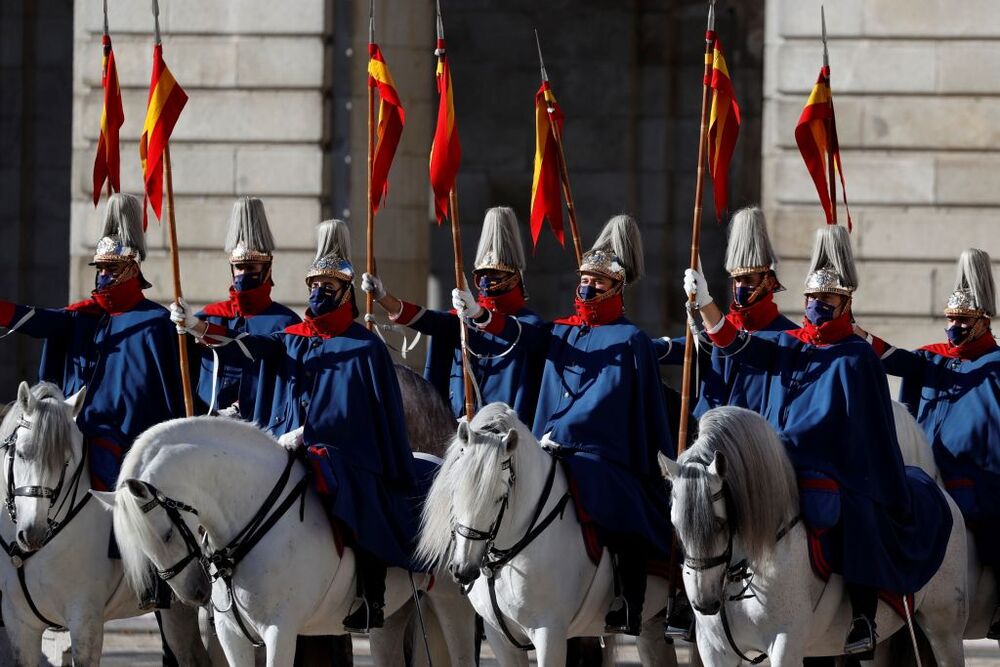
567,193
178,294
370,237
456,243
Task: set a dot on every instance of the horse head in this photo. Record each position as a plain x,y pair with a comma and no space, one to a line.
40,442
466,508
731,493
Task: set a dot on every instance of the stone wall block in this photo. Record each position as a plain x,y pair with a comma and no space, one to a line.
859,66
284,170
871,179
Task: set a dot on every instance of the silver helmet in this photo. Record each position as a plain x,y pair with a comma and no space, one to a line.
832,268
249,237
749,248
122,238
617,253
975,290
333,252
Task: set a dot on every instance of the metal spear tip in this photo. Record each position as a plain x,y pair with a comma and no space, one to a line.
826,53
371,22
541,62
711,15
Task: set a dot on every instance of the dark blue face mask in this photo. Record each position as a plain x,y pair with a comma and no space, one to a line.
742,294
487,285
819,312
245,282
588,292
103,281
957,334
323,299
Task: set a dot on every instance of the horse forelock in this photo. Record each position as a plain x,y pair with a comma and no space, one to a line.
52,426
760,483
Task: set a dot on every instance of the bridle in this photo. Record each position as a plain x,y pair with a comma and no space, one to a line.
476,535
29,491
737,573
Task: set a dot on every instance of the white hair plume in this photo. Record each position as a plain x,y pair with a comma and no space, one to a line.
500,242
749,245
123,218
621,236
248,225
832,250
975,273
333,237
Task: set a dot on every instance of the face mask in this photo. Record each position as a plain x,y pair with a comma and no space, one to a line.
588,292
323,299
742,294
819,312
245,282
103,281
956,334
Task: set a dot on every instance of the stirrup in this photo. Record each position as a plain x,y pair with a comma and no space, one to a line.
365,618
679,624
620,621
861,638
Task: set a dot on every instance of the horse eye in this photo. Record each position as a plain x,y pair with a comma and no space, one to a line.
170,533
201,531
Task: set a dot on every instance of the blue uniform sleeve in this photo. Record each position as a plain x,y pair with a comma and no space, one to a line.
904,364
242,347
754,351
40,322
654,407
440,324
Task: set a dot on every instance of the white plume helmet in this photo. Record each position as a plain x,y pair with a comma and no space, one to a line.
832,268
122,236
500,245
749,248
249,236
333,252
617,252
975,289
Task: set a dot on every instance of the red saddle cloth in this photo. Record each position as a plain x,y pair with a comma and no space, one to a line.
820,546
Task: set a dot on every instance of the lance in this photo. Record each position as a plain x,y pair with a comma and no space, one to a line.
174,253
456,244
563,169
682,431
831,166
370,230
107,34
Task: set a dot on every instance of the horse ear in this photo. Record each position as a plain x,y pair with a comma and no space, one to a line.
463,431
139,488
718,466
669,468
106,498
25,400
75,402
510,440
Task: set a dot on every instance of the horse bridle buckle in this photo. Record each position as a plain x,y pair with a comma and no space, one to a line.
17,561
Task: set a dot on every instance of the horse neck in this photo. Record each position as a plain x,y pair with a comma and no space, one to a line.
531,467
226,483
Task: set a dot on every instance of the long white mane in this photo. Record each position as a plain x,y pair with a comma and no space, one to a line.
149,460
470,477
52,426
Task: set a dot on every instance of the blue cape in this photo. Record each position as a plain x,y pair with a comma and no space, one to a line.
512,379
239,379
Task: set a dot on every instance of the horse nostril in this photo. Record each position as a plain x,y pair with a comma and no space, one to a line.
20,537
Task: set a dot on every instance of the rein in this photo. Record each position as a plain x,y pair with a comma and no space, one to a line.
221,563
735,573
497,558
18,557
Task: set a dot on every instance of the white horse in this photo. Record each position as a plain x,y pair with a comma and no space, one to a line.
524,536
57,572
208,477
735,497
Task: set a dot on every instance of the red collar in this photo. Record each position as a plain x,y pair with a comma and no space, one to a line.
325,326
594,314
756,316
967,351
113,300
827,333
508,303
242,304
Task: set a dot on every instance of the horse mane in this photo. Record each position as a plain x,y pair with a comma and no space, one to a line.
471,476
132,531
761,483
51,425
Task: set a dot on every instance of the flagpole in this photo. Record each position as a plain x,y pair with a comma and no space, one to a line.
456,244
831,166
370,231
174,252
563,168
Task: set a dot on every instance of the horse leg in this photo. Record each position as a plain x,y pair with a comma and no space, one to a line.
785,652
457,620
183,634
550,646
238,649
25,639
387,643
280,646
86,634
654,651
506,653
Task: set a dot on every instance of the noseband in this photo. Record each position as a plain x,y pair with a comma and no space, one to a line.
27,491
476,535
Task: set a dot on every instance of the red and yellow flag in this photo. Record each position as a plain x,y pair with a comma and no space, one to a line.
446,151
723,128
390,123
816,136
166,100
546,196
107,166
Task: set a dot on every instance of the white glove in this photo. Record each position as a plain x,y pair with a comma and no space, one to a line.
292,440
179,315
465,304
695,285
372,285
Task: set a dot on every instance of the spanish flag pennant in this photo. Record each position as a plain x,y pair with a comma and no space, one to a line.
723,128
107,166
166,100
546,196
391,118
446,151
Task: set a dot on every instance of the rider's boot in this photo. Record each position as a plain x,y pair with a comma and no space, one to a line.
680,619
861,637
370,606
625,615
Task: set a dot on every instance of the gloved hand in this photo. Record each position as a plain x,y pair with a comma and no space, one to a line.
465,304
694,284
180,316
292,440
372,285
